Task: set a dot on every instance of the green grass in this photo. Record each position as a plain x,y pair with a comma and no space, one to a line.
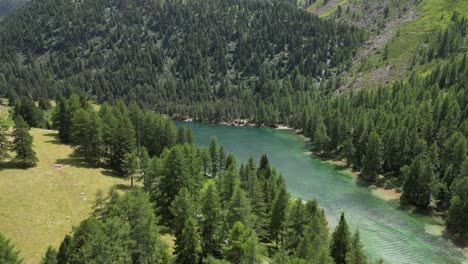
39,206
332,9
432,16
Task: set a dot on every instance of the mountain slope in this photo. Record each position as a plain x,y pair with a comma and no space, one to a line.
399,29
157,52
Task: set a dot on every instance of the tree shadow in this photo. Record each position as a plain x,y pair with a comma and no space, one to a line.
111,173
14,165
77,163
122,187
54,139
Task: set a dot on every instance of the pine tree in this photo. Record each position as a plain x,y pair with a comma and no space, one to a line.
23,143
457,219
356,254
321,138
313,246
296,224
235,251
341,241
8,254
419,177
206,161
188,244
214,153
238,209
222,159
228,181
278,216
130,165
173,177
210,222
50,256
4,142
373,157
64,252
182,208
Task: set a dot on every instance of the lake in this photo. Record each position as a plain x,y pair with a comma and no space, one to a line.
388,231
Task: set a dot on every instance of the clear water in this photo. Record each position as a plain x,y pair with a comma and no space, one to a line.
387,231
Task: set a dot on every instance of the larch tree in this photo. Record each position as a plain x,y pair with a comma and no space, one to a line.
4,142
341,241
321,138
356,254
211,221
279,213
50,256
188,244
373,156
8,254
23,143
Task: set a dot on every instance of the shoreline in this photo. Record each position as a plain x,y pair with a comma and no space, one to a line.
381,191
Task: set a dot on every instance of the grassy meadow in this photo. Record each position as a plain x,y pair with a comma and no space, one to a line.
39,206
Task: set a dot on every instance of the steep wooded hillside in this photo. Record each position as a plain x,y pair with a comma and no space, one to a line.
173,52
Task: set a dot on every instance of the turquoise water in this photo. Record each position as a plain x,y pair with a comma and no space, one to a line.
387,231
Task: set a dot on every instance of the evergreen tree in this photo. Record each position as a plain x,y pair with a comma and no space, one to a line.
63,253
206,161
188,244
457,219
228,181
243,246
313,246
222,159
182,208
296,224
373,158
214,153
173,177
238,209
211,221
278,216
356,254
341,241
130,165
321,138
23,143
4,142
419,177
50,256
8,254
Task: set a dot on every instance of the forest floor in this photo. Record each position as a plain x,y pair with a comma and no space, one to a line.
39,206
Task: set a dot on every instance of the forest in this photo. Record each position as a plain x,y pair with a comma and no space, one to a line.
218,211
268,62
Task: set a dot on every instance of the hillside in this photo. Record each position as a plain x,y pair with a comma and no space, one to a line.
168,55
40,205
399,29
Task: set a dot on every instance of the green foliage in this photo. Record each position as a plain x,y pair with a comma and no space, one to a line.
341,241
27,109
419,177
209,71
127,234
457,217
4,142
211,221
373,158
238,209
188,243
23,143
356,254
279,214
8,254
50,256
